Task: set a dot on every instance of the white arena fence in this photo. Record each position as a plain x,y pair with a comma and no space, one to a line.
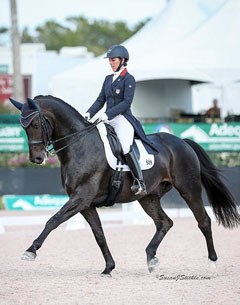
125,215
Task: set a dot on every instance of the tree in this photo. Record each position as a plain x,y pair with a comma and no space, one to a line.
53,35
26,37
96,35
3,30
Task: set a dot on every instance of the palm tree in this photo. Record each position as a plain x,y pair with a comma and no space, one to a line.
17,77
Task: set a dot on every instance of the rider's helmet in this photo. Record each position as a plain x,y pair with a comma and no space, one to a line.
118,51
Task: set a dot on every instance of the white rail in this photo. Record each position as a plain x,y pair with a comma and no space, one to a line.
127,214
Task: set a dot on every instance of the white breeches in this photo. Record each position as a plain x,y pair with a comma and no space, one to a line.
124,131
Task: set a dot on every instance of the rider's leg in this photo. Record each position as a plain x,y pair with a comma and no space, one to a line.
125,134
138,184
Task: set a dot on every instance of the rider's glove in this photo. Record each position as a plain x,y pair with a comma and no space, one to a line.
103,117
87,116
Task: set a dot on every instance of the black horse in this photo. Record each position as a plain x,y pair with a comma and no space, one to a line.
181,164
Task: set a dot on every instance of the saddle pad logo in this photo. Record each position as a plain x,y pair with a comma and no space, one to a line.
149,162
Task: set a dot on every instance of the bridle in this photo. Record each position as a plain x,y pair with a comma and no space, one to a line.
46,140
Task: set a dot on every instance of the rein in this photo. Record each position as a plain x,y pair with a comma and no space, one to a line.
77,134
46,138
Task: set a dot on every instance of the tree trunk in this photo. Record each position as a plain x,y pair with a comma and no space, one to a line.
17,77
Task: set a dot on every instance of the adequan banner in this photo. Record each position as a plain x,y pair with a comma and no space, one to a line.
34,202
212,137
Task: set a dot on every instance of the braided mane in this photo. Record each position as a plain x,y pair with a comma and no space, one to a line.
60,102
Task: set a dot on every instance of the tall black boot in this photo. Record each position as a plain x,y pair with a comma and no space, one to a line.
138,186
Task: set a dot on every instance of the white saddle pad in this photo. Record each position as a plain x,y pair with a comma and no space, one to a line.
146,160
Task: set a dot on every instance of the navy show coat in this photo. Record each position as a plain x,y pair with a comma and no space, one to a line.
118,96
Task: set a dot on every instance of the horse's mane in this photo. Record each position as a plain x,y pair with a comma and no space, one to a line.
60,101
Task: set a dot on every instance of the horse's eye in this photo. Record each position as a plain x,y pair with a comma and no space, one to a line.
35,125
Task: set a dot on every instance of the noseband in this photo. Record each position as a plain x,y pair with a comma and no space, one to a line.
46,136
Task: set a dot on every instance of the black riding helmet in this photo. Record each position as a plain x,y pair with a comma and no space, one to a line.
120,52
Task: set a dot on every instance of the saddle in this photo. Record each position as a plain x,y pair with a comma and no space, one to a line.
116,145
113,146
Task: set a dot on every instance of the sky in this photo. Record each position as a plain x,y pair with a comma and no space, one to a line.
32,13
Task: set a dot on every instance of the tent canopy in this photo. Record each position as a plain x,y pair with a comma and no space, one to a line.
190,40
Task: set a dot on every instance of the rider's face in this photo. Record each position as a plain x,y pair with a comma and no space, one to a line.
114,63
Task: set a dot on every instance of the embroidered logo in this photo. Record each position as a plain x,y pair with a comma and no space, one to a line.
148,161
117,91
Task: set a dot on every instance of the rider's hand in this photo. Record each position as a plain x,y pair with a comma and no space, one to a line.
87,116
103,117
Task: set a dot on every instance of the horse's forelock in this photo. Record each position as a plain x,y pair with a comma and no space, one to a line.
27,115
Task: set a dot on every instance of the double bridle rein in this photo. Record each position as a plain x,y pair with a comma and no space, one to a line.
46,136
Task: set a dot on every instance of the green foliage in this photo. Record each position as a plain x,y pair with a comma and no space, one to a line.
229,159
96,35
27,37
52,34
1,203
3,30
7,108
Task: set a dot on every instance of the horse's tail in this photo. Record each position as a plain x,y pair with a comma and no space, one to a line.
219,196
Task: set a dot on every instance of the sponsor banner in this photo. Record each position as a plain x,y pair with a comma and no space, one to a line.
13,138
212,137
34,202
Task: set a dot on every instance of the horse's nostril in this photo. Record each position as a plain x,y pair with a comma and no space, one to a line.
38,160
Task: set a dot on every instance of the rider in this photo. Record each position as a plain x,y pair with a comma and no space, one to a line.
118,92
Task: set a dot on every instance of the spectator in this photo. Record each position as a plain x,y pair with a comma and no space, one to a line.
214,112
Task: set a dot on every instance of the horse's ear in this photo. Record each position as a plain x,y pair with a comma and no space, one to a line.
16,104
32,104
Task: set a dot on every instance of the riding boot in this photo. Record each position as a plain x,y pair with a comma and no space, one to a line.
138,186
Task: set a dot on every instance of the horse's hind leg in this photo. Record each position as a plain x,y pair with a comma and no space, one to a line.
151,205
191,193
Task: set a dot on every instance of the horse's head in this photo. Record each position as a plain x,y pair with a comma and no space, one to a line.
38,129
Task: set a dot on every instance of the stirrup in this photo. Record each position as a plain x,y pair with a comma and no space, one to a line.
139,187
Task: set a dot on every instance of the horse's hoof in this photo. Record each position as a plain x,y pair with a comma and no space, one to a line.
212,265
108,275
152,264
28,256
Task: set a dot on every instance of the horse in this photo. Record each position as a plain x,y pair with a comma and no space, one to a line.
85,174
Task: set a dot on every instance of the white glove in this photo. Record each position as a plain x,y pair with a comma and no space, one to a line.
103,117
87,116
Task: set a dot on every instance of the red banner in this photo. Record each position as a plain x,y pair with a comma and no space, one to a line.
6,86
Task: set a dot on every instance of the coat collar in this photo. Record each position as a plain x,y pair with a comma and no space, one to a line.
120,77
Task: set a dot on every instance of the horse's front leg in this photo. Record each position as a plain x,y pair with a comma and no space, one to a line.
70,208
92,217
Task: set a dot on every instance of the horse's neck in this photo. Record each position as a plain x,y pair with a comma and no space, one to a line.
64,120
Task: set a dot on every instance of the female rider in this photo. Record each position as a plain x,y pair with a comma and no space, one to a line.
118,92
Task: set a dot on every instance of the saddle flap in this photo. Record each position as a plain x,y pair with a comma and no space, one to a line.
146,160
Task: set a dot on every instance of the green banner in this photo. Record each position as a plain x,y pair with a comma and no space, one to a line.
13,138
31,203
212,137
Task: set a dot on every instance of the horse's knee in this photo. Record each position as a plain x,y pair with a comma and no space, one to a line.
170,223
165,225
